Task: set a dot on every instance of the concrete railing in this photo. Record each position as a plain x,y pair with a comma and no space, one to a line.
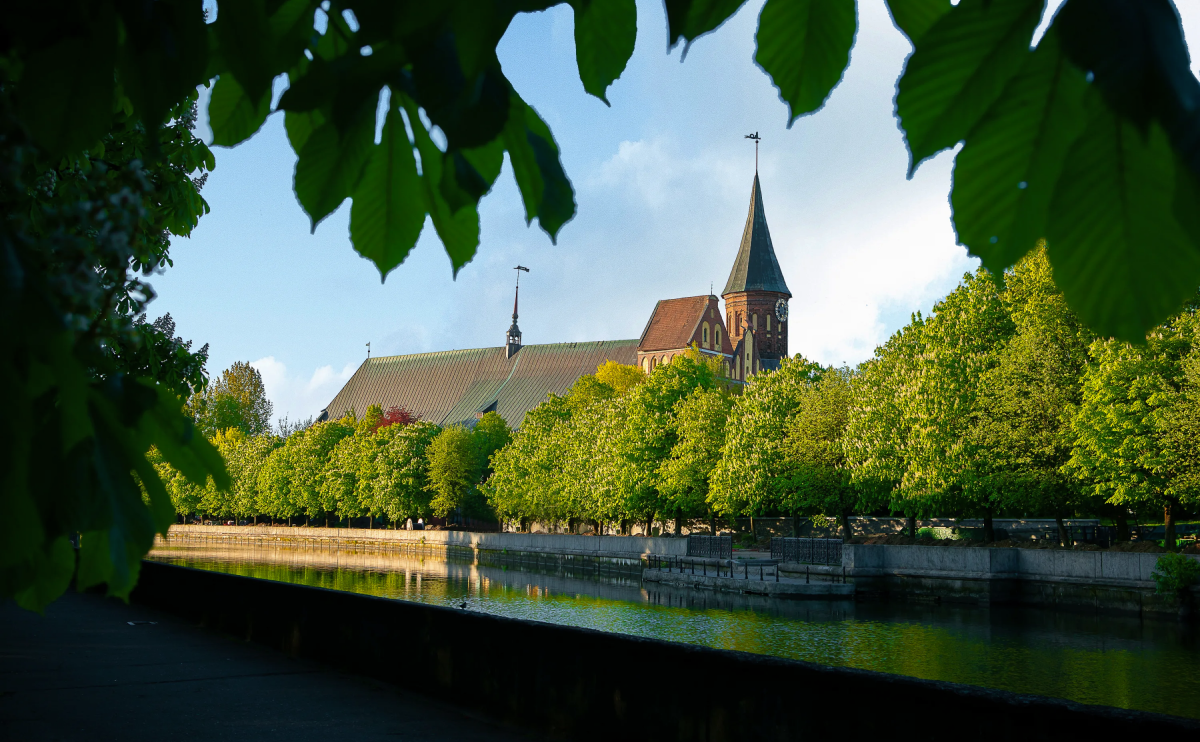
629,547
974,562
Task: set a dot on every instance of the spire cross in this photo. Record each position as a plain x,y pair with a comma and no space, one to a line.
756,139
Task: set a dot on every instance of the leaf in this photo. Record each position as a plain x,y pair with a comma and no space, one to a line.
1006,175
1120,257
66,91
915,17
690,19
164,54
959,68
244,32
544,186
331,165
804,45
468,174
232,114
53,575
389,207
605,33
458,228
300,126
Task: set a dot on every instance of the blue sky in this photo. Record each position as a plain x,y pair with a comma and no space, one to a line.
662,179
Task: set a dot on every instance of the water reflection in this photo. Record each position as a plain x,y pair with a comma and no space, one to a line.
1117,661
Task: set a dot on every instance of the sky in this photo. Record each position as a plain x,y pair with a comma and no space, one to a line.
662,180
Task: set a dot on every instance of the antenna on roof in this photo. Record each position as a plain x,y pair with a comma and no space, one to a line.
368,350
756,139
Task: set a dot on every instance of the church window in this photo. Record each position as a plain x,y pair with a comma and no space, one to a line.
754,321
646,364
704,334
717,342
653,364
737,367
768,323
749,350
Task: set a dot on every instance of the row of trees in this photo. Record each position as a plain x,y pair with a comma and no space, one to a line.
386,464
999,402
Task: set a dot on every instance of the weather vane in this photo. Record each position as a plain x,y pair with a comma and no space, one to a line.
756,139
520,268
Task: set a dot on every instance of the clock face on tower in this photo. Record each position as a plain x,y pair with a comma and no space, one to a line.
781,310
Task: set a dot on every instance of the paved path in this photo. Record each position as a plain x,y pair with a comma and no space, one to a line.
82,672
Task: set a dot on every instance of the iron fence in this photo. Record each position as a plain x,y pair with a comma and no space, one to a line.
710,547
807,550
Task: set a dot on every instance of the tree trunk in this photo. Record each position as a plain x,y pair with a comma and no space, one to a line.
649,526
845,523
624,526
1169,526
571,524
524,523
678,523
712,524
1122,527
753,531
1063,538
911,525
989,531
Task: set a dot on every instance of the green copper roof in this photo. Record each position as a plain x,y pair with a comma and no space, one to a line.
450,387
756,268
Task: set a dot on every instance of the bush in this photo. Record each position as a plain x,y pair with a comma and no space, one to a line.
1175,572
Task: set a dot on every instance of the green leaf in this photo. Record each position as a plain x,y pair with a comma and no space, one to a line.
804,45
959,68
53,574
66,91
544,186
244,33
1121,259
468,174
1006,175
164,54
915,17
300,126
389,206
458,228
605,32
232,114
331,165
690,19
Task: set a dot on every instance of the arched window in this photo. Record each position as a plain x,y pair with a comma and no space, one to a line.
717,339
768,322
727,368
653,364
646,364
737,367
754,321
704,335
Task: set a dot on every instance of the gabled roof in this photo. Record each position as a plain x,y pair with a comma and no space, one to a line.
756,268
450,387
673,323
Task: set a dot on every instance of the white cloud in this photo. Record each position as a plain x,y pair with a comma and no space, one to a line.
294,396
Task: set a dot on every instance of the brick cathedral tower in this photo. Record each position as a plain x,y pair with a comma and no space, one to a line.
756,296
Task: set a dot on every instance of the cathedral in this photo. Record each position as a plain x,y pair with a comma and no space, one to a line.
456,387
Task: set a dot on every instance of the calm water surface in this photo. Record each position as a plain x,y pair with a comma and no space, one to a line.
1152,665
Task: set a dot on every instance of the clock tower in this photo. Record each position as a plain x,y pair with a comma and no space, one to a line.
756,296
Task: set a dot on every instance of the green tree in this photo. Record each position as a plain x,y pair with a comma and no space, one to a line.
396,483
525,480
686,475
619,376
454,469
752,476
236,399
1132,396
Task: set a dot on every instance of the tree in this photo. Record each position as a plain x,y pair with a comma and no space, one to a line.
236,399
752,475
687,474
1132,397
619,376
395,483
454,469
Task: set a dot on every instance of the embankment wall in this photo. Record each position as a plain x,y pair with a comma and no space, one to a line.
609,547
1117,581
586,685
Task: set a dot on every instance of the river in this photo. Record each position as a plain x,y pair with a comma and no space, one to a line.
1151,664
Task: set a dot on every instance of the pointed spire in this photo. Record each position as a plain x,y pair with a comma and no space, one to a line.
756,268
512,339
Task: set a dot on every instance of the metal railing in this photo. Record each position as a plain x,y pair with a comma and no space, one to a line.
807,550
710,547
750,569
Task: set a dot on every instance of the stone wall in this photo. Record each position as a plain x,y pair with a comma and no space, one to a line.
572,683
1049,577
610,547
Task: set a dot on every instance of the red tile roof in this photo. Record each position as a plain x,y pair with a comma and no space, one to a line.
673,323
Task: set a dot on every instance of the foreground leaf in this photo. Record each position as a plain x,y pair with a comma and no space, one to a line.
605,32
958,70
331,164
804,46
545,189
915,17
389,208
1121,258
687,20
1006,175
233,115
